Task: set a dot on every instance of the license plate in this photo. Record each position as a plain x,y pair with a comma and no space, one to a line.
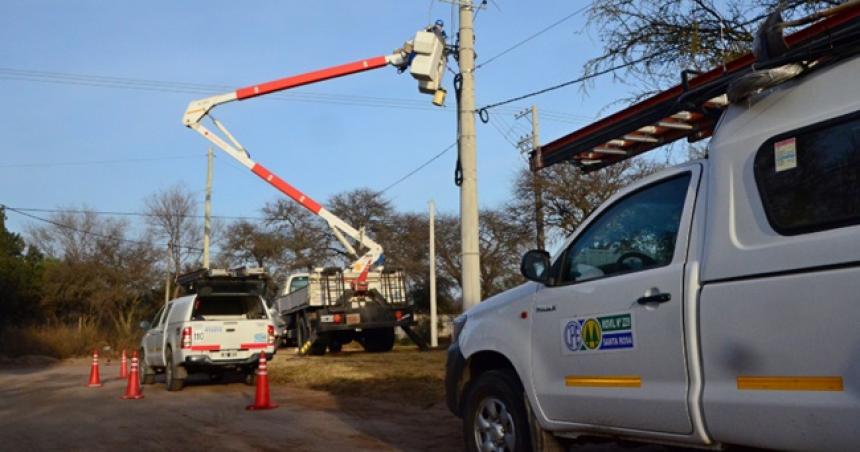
228,354
353,319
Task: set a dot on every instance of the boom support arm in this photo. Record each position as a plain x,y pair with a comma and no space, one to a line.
197,110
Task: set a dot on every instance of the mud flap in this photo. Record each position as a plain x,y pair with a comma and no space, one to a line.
303,350
542,440
419,341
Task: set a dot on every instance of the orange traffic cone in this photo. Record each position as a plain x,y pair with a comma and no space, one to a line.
95,382
261,399
123,366
132,389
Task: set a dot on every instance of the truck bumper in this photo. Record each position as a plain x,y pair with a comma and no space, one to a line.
454,366
367,317
201,361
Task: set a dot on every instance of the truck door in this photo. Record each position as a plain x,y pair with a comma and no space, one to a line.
607,336
153,340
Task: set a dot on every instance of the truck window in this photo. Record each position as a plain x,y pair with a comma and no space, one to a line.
228,307
298,283
808,179
157,317
638,232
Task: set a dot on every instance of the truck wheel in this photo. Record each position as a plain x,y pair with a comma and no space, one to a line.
171,372
317,348
251,376
495,414
378,340
335,347
147,373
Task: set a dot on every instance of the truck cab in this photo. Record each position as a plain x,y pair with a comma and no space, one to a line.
710,304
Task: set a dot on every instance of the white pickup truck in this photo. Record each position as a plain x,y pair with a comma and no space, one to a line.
209,332
712,304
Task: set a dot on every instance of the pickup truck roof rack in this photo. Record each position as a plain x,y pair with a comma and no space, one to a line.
205,281
691,109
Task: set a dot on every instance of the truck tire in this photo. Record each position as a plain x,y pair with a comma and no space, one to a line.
378,340
250,376
171,372
495,415
335,347
147,374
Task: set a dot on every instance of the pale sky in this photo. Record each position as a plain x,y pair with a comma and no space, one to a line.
365,130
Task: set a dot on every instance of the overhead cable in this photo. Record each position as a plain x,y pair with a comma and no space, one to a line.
483,112
419,168
99,81
91,233
100,162
532,36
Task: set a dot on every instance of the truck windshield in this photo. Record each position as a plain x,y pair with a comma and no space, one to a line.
228,307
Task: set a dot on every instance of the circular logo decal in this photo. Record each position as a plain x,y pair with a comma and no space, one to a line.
591,334
573,336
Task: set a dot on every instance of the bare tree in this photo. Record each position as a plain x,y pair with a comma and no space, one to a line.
569,195
306,241
503,238
172,215
96,273
655,40
245,241
365,208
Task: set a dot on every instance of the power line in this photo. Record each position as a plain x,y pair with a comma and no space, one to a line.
99,81
99,162
205,89
24,210
81,231
127,214
483,111
533,36
419,168
504,135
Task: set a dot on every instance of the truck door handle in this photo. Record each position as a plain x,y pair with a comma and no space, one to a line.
654,298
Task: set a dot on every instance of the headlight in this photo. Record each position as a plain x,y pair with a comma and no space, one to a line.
458,324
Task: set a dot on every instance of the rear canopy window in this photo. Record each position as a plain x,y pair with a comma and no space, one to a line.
228,307
809,179
298,283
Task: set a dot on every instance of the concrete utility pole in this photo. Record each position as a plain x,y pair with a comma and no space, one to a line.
434,320
207,209
167,280
471,258
536,181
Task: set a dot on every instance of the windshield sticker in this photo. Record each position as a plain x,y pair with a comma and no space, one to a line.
599,333
785,154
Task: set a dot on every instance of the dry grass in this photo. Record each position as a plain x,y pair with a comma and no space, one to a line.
60,341
403,375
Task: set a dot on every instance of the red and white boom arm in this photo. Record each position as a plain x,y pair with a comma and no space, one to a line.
199,109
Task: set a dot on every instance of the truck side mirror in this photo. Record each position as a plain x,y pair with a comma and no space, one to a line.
535,266
145,325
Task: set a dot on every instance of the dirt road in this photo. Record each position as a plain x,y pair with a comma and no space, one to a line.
49,408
